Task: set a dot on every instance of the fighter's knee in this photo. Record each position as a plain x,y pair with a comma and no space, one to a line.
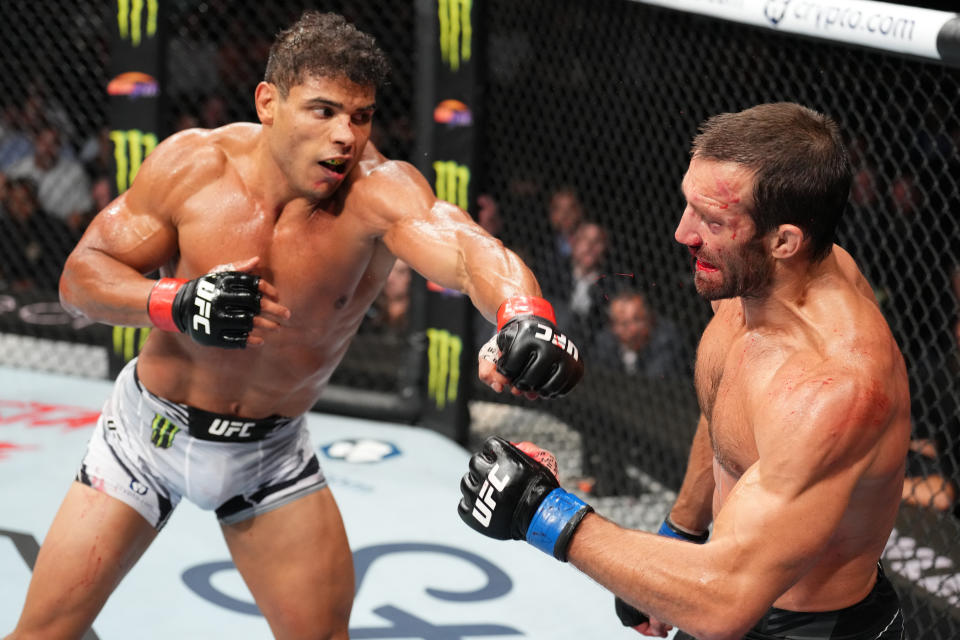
46,632
311,629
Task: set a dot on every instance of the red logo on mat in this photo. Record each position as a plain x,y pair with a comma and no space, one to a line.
39,414
11,447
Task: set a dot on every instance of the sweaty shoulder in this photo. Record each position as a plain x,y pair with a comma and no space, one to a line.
844,378
385,191
185,163
852,272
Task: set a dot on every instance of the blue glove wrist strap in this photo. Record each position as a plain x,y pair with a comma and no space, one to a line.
552,525
670,530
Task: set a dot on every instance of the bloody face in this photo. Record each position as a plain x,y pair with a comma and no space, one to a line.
730,260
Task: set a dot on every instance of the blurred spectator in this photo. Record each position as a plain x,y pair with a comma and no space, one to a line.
639,342
488,214
638,362
34,244
865,188
578,298
390,311
40,110
97,155
927,483
185,120
394,137
906,197
550,257
63,186
566,215
213,112
15,140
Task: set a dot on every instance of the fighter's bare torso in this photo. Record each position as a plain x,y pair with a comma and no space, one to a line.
836,331
327,262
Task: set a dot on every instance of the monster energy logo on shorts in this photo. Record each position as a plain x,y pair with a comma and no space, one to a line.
163,432
453,183
129,149
128,341
443,356
130,18
456,31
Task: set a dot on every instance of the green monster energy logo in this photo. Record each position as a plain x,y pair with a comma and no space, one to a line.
453,183
443,357
163,432
130,17
128,341
456,31
129,149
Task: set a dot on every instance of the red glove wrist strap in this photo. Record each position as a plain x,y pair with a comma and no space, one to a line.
160,303
522,306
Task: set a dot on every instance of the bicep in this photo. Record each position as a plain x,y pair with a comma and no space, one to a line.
138,228
774,530
131,231
436,238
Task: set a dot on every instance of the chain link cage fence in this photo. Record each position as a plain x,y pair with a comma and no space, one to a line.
588,111
593,105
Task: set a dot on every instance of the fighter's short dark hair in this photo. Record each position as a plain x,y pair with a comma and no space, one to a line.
801,169
325,45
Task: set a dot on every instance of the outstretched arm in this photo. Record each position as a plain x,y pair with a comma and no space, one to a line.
442,243
815,442
814,446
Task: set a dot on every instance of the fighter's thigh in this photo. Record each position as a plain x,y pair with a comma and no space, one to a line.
93,541
297,563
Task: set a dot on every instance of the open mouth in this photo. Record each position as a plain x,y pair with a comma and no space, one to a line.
705,266
336,165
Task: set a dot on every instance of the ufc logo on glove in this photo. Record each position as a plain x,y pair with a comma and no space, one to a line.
206,290
483,509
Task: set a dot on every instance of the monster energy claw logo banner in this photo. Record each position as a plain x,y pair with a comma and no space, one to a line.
129,150
453,183
135,86
133,23
451,88
456,31
128,341
443,365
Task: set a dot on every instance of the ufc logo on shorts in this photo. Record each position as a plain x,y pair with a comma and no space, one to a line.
227,428
483,509
557,339
205,293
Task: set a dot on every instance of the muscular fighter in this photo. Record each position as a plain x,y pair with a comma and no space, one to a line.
798,459
273,239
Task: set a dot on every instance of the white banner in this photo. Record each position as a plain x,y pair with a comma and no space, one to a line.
879,25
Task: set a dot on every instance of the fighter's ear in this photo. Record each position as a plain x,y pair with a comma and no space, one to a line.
786,241
266,97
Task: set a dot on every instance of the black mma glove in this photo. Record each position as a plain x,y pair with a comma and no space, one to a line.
509,495
534,355
629,615
216,310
